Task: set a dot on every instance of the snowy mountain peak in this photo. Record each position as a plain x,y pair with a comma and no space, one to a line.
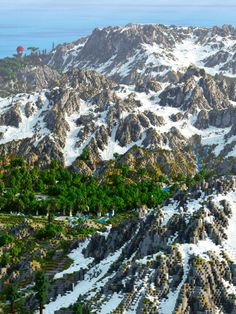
128,53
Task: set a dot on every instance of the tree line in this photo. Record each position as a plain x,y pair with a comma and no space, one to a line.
31,190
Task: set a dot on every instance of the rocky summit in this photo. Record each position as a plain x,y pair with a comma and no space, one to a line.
153,99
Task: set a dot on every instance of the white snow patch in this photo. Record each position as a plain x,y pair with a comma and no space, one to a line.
200,249
29,126
79,260
92,281
112,304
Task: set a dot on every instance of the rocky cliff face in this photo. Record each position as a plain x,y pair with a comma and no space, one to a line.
171,123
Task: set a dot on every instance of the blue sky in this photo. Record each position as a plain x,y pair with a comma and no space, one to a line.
42,22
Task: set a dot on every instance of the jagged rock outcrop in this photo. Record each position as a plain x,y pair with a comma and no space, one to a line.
195,91
129,130
37,78
87,83
12,116
216,118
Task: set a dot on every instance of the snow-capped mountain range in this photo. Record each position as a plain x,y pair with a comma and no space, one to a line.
128,53
165,91
157,97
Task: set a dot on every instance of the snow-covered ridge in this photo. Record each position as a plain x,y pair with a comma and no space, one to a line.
91,125
153,50
211,136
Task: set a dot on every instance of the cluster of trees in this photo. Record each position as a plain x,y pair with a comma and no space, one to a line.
12,255
41,289
31,190
6,239
192,180
49,231
57,189
12,293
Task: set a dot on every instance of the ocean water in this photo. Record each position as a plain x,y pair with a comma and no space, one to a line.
41,23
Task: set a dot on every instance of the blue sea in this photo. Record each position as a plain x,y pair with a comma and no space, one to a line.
41,23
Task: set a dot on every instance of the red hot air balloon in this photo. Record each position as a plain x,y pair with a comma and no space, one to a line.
20,50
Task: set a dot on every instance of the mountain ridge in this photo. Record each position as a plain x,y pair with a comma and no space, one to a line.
113,49
186,113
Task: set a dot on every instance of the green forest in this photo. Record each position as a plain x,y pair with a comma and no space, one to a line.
31,190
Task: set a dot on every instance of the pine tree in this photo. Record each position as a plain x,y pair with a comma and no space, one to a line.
12,295
81,308
41,288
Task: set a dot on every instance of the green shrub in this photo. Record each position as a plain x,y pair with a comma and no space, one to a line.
49,231
6,239
5,259
85,154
